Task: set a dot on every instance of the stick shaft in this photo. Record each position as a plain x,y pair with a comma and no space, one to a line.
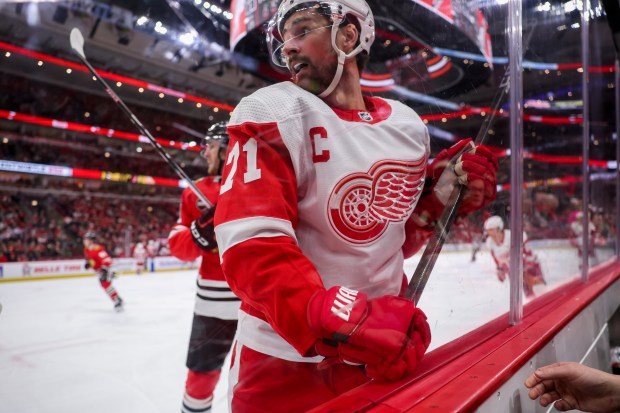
423,271
146,133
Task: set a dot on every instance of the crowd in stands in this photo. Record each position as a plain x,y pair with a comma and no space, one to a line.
51,227
41,184
45,217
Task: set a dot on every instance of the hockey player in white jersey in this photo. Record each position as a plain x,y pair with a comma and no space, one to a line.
139,254
315,209
498,242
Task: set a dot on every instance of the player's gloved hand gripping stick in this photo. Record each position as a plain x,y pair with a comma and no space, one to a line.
457,155
429,256
77,44
388,335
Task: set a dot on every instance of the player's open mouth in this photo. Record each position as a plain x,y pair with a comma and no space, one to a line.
298,67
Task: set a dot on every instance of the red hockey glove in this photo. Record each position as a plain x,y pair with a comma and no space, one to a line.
502,272
387,334
203,232
473,166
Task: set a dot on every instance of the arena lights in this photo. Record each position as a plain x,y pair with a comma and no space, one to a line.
159,28
9,48
214,8
527,64
142,20
89,129
550,120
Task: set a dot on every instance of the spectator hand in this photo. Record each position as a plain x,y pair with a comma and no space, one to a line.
574,386
469,165
203,232
388,334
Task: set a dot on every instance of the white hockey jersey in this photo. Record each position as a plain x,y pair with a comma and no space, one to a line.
501,251
314,197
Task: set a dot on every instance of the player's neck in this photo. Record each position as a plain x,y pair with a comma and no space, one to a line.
348,93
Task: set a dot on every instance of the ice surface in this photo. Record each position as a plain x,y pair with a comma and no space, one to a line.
64,349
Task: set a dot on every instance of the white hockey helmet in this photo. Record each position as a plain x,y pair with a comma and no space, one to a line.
338,11
494,222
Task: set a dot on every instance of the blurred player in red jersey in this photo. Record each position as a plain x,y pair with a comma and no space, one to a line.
99,260
498,242
216,310
316,215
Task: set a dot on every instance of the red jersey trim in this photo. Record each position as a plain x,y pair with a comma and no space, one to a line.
376,111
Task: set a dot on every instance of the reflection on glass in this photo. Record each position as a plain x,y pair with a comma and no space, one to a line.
552,143
602,204
463,292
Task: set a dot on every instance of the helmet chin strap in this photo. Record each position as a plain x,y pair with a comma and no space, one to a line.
342,56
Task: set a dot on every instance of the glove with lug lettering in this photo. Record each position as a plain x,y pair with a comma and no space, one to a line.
388,335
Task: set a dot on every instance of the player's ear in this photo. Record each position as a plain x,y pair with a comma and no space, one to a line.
350,37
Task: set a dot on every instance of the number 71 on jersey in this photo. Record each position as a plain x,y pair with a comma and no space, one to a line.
252,173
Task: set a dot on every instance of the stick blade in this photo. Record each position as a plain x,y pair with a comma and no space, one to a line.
77,41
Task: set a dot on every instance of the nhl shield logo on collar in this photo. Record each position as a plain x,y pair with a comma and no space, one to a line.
365,116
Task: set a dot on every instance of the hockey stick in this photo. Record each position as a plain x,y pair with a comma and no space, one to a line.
77,44
188,130
433,248
444,222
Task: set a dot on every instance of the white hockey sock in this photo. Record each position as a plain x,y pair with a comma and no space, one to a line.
192,405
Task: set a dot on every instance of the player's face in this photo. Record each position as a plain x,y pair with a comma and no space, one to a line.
87,243
494,232
310,57
213,158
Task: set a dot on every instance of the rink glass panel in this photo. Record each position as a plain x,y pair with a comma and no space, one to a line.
463,291
553,172
602,205
552,143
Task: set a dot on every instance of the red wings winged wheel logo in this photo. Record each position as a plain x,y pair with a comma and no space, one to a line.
363,204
